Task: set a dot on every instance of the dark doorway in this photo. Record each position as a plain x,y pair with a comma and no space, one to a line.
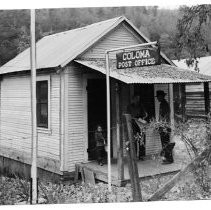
96,96
146,92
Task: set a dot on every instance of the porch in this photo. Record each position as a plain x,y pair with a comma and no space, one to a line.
149,168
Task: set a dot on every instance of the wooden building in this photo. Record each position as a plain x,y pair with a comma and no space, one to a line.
71,96
195,103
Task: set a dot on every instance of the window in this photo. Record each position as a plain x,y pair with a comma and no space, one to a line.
42,104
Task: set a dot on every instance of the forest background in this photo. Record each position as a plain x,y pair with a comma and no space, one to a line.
158,24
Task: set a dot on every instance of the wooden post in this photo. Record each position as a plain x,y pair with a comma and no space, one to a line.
120,161
206,98
183,101
171,99
132,164
108,119
33,109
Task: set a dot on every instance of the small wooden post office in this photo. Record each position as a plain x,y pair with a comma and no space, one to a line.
71,96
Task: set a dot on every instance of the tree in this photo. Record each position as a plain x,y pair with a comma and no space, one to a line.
23,40
11,33
190,39
15,24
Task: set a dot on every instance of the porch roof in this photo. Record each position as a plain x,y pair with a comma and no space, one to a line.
147,75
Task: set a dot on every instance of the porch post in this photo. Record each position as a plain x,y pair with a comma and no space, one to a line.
171,99
183,101
120,161
108,119
206,98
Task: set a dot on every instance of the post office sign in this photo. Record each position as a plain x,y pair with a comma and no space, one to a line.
138,58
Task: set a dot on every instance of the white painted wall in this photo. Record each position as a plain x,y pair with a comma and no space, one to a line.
15,121
76,133
119,37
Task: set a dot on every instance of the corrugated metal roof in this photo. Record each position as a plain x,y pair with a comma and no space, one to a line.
204,65
61,48
57,49
149,74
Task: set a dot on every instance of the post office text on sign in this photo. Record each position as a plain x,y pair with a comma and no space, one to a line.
137,58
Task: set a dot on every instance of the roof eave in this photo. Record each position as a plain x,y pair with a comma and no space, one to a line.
166,80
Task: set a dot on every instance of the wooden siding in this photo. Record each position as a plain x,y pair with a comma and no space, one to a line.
15,122
119,37
195,105
75,142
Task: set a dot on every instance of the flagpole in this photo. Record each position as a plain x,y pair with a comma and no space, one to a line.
108,120
33,109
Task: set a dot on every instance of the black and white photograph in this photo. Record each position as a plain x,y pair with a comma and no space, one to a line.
105,104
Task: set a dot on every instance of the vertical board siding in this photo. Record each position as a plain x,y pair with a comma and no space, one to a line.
120,37
15,122
75,143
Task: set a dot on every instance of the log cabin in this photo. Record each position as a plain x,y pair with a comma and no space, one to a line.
194,92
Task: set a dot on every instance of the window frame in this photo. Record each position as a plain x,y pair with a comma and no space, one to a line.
48,129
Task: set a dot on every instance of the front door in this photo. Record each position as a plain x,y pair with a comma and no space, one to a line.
96,101
146,93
